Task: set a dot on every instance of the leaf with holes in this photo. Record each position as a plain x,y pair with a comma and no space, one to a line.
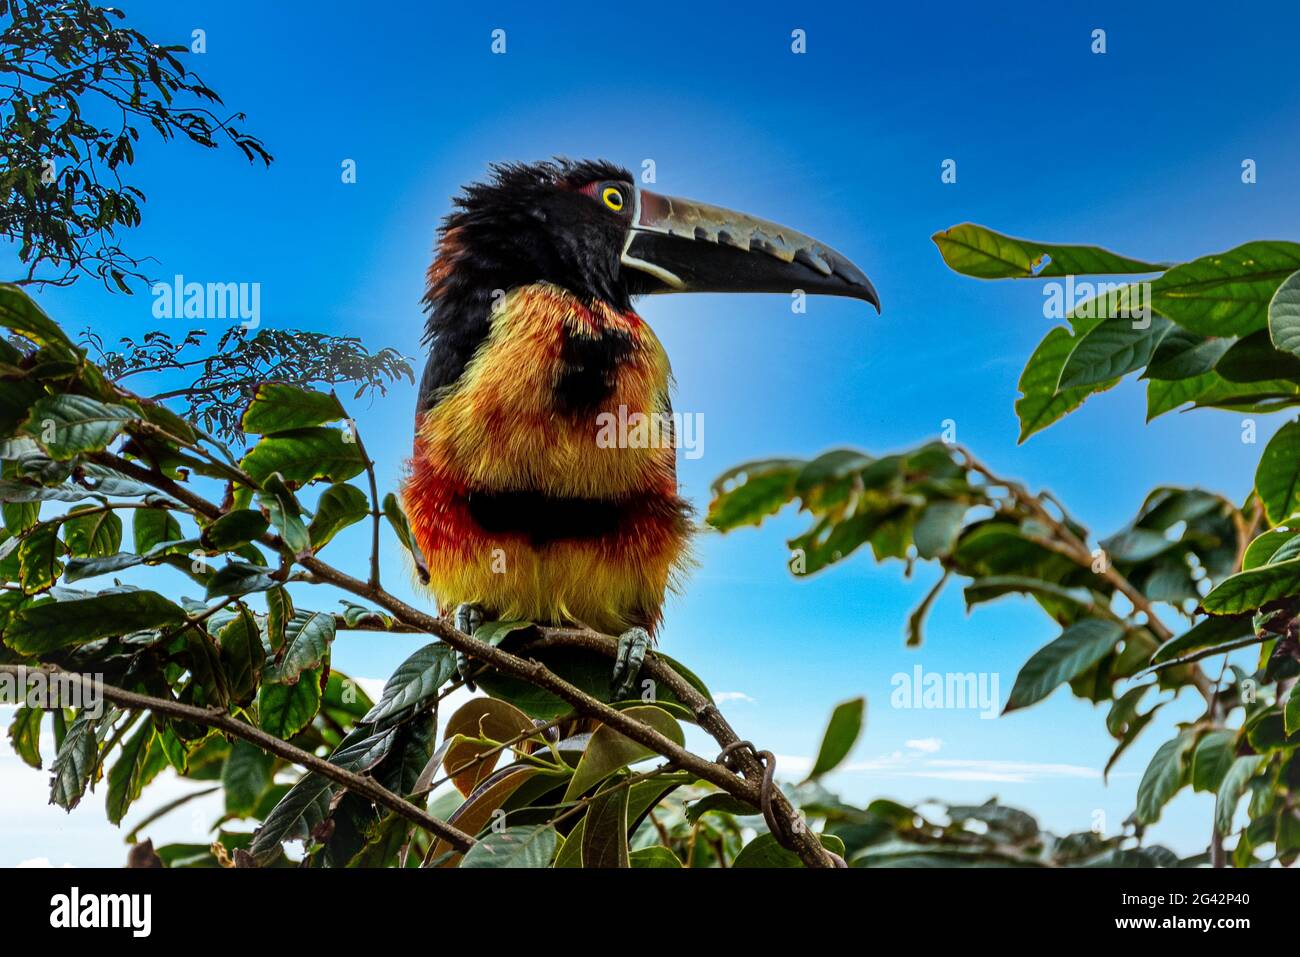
751,492
973,250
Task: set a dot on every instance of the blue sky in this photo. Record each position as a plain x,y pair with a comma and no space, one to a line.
1138,149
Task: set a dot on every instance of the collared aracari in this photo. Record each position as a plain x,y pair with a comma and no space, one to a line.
519,511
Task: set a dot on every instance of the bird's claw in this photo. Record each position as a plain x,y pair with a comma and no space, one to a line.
468,617
632,646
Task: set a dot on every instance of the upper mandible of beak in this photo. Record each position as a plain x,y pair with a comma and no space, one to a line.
684,246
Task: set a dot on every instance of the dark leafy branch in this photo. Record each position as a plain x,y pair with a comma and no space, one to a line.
225,665
76,87
1221,332
219,384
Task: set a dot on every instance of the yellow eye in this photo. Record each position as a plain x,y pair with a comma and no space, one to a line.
613,198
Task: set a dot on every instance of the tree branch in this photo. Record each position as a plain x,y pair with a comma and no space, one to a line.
750,788
365,787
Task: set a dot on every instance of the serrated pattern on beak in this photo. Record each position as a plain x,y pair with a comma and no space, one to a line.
701,222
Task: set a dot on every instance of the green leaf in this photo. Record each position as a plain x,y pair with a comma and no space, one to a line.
1211,759
416,680
75,762
721,802
16,399
1246,591
1284,315
285,709
240,578
1291,714
513,847
1206,633
245,777
296,817
604,833
1164,397
1277,479
152,526
995,586
1252,359
916,620
1111,350
655,856
233,529
765,851
829,468
1040,404
936,530
975,251
38,559
1078,648
339,506
1226,294
307,638
1185,355
242,655
19,313
749,493
126,778
1232,788
41,628
304,455
20,516
285,513
842,733
279,611
67,424
1166,773
1262,550
607,751
25,735
96,535
280,408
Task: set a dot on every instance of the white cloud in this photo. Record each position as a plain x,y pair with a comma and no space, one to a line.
1028,768
724,696
915,763
38,862
793,764
373,687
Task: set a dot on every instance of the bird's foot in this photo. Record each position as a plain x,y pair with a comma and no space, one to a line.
632,646
468,617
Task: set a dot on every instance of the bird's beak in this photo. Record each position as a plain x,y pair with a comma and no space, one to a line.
682,246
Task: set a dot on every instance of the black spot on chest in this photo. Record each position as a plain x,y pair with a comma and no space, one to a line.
589,366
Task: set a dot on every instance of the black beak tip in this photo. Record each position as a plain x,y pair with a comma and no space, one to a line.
870,295
856,280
